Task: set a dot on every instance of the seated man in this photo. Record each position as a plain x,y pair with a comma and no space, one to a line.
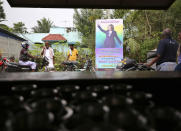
166,53
24,57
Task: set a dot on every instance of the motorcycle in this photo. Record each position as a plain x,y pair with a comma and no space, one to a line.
88,66
7,66
70,66
45,62
131,65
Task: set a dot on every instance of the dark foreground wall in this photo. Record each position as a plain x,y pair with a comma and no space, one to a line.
165,86
124,4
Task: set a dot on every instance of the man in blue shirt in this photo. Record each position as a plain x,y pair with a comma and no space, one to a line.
166,53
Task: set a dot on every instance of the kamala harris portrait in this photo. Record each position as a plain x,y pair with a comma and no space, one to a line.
111,36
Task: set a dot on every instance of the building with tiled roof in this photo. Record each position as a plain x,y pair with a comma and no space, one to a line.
52,38
70,36
57,37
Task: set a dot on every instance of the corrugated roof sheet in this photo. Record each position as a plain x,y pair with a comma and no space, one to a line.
34,37
73,36
12,35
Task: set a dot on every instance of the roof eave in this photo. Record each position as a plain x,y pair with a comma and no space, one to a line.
12,34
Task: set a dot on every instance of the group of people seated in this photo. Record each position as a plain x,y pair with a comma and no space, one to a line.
46,52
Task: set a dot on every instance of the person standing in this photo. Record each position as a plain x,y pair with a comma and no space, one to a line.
49,53
72,53
166,53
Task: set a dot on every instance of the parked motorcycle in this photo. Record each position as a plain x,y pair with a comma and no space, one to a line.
88,66
70,65
1,65
131,65
7,66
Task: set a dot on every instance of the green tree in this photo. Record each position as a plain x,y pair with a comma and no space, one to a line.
142,28
43,26
2,14
141,31
173,17
5,27
19,27
84,20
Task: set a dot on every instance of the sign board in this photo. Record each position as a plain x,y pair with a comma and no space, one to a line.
109,43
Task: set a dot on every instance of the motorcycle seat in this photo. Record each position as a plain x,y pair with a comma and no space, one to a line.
24,66
70,63
11,64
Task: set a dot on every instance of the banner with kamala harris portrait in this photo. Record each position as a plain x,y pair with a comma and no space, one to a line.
109,43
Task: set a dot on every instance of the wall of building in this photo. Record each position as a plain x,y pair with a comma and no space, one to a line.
10,47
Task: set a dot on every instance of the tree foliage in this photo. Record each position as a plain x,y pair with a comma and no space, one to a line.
19,27
142,28
3,17
43,26
2,14
134,32
5,27
84,20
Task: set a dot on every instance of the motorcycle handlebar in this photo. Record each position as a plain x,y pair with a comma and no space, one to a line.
146,67
70,62
151,56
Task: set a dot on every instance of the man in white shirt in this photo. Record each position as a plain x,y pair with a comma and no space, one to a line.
49,53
